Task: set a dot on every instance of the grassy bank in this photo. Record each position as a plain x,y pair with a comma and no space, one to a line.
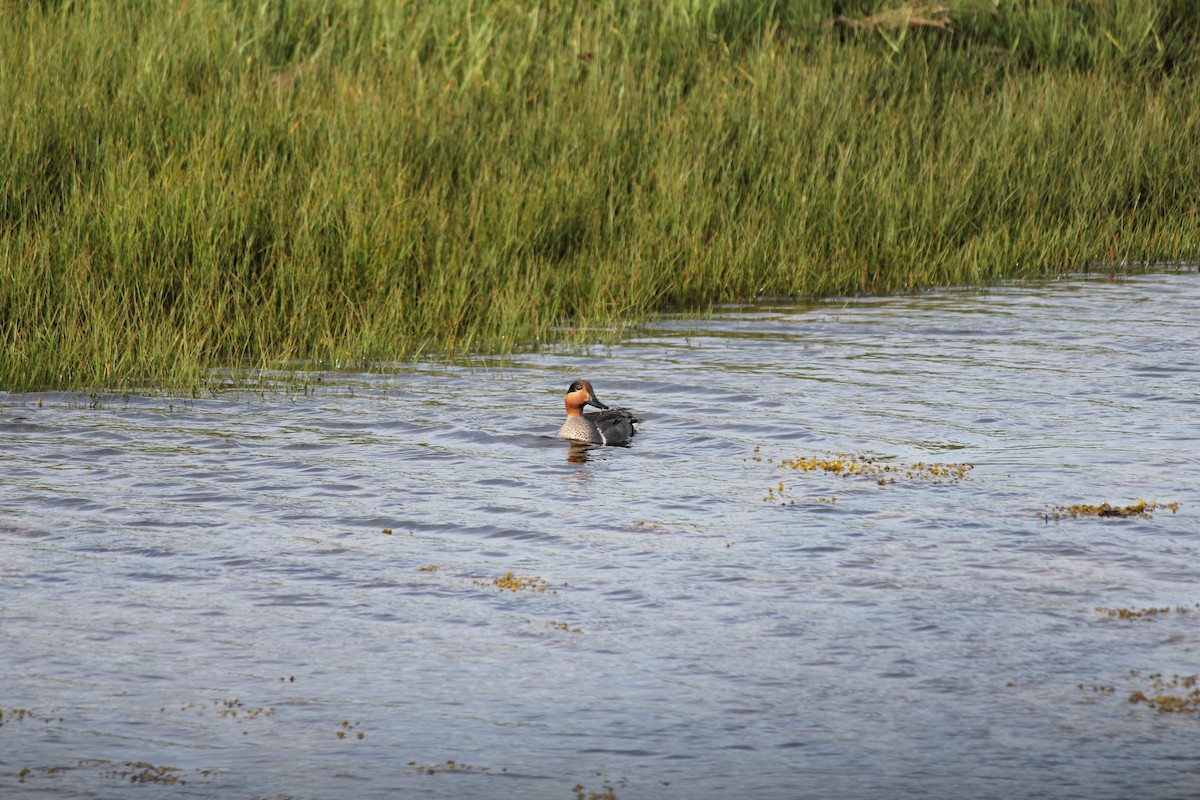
199,185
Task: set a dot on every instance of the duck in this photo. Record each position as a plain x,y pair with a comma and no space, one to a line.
607,426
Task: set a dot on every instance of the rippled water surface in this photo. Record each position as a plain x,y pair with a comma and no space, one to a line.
294,595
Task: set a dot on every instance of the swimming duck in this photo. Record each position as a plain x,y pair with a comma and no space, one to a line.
608,426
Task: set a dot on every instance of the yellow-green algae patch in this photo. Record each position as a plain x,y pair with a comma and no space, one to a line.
450,765
346,726
26,772
137,772
1178,695
850,466
1145,613
606,792
1142,508
15,715
145,772
516,583
230,708
847,465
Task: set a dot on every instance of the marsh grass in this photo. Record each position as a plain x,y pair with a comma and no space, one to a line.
241,185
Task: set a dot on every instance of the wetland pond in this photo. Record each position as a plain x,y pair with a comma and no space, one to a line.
839,560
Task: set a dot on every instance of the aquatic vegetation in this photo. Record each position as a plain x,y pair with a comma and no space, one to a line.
771,496
237,709
131,771
848,466
565,627
1141,508
606,792
885,473
1179,694
11,715
230,709
515,583
145,772
346,726
1145,613
449,765
347,184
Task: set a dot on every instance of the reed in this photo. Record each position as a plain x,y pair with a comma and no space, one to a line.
238,185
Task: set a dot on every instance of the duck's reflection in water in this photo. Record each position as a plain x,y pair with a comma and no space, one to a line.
578,453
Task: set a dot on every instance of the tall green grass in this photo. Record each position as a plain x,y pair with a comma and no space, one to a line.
187,186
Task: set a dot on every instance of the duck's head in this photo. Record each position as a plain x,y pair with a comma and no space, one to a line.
580,394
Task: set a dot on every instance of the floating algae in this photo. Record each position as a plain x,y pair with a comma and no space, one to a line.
1141,508
848,466
516,583
1179,695
606,792
15,715
145,772
346,726
231,708
450,765
1145,613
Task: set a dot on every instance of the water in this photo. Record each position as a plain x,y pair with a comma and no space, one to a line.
166,563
